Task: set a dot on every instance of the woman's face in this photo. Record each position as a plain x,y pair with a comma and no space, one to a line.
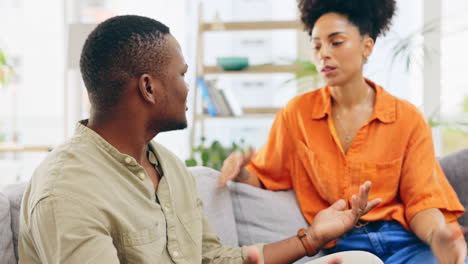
339,50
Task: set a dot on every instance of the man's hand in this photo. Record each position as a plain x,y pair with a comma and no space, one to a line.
232,166
254,258
333,222
448,244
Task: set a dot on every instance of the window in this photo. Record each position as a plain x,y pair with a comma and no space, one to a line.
33,35
454,87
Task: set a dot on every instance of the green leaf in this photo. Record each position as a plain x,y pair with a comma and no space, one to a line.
3,59
215,153
465,104
191,163
235,146
216,161
198,149
3,78
205,156
433,123
307,66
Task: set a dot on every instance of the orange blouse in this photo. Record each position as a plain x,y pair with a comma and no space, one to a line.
393,150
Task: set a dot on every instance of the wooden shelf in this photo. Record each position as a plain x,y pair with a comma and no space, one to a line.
261,110
14,148
303,44
265,112
255,69
245,116
257,25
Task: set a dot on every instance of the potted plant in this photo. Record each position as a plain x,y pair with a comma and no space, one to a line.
306,76
411,48
214,154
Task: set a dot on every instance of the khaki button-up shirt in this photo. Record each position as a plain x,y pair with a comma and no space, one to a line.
89,203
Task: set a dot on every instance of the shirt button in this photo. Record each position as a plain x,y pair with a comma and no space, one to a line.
141,175
128,160
175,253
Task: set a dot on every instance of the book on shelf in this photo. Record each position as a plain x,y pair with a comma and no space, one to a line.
218,102
232,102
207,102
217,98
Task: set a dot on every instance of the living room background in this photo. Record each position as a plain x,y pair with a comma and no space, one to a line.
45,98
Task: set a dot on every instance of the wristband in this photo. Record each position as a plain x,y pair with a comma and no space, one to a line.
302,235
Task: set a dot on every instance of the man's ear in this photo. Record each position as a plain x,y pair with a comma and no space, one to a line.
148,87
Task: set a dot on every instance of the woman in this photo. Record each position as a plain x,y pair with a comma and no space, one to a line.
325,143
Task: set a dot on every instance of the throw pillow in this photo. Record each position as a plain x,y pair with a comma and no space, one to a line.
264,216
217,204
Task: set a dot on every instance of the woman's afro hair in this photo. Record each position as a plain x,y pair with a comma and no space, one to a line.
372,17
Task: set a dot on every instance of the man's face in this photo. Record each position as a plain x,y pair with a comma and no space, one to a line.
173,106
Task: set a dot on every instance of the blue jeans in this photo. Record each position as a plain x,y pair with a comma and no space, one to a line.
389,241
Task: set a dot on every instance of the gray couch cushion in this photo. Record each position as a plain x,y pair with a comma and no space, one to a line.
14,192
264,216
217,204
455,167
7,254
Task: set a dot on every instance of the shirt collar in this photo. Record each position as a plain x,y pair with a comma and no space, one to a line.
82,130
384,109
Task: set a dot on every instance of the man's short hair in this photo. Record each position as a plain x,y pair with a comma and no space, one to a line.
118,50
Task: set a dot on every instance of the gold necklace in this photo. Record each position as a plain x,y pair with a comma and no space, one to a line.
348,138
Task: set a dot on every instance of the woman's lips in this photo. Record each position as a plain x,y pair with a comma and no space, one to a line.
327,70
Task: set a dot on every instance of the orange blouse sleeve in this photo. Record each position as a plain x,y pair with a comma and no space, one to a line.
271,163
423,184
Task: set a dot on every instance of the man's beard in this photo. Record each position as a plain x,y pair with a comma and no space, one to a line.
170,125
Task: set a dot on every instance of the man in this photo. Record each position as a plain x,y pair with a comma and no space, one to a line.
110,195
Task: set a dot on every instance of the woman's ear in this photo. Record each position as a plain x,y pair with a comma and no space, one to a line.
368,46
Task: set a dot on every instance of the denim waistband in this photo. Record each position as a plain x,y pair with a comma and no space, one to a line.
376,226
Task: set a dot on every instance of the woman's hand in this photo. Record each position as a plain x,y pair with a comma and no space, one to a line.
233,165
448,244
333,222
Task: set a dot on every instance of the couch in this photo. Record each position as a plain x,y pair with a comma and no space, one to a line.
240,214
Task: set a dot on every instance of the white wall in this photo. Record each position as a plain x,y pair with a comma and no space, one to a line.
34,32
454,56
